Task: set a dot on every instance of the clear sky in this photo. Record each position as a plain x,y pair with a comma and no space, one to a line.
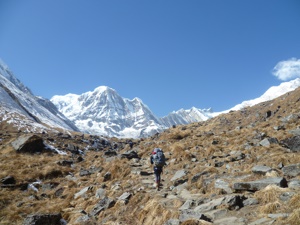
171,54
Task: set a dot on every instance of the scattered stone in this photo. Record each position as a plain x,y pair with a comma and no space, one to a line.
179,174
125,197
278,215
250,201
224,185
172,222
295,132
294,184
110,153
191,214
259,184
196,177
261,169
230,220
45,219
100,193
268,141
291,170
286,196
217,214
28,144
103,204
187,205
130,155
209,205
8,180
107,176
65,162
292,143
83,192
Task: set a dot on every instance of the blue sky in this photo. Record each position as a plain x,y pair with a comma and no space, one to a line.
171,54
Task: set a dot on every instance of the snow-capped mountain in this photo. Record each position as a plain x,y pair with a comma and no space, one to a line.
272,93
24,110
183,116
104,112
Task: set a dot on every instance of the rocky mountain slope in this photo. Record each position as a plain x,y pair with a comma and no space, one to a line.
26,111
240,167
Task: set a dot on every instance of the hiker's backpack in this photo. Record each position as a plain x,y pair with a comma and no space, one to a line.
159,158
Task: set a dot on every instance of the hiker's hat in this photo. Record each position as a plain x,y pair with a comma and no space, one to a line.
155,150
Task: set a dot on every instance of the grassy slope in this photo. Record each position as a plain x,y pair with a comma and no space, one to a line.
230,131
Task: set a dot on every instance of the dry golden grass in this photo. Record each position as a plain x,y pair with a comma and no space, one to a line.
155,213
179,134
180,144
272,207
294,217
269,194
179,152
294,202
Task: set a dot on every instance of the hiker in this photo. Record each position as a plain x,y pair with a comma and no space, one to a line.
158,159
130,144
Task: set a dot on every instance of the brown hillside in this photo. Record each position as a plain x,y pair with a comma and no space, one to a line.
213,162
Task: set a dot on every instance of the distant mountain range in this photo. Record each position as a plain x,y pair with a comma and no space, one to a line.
100,112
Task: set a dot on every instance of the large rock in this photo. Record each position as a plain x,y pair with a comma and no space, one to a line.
268,141
291,170
103,204
28,144
8,180
179,174
259,184
210,205
292,143
44,219
191,214
261,169
224,185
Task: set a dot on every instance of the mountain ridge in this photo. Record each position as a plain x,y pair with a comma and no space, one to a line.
134,123
103,111
18,99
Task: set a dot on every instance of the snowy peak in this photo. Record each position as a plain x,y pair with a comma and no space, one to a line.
272,93
6,73
104,112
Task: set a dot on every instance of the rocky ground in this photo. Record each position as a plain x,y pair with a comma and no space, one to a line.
238,168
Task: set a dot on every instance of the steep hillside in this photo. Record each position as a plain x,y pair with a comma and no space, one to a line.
241,167
36,113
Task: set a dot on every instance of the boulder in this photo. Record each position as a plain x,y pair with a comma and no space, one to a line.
268,141
28,144
8,180
179,174
259,184
292,143
130,155
44,219
291,170
103,204
191,214
261,169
